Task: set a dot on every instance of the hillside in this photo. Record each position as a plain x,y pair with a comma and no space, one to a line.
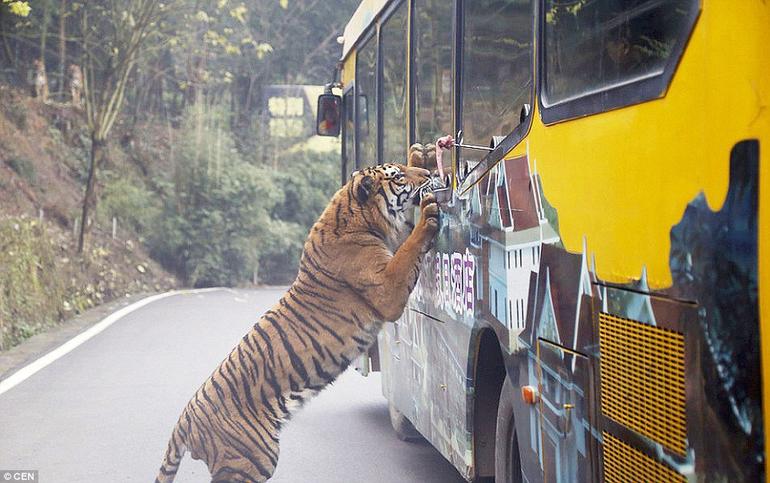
43,155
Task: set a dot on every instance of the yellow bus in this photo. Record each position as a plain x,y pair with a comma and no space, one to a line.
591,309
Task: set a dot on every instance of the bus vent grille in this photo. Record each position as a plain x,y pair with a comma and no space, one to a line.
624,464
642,379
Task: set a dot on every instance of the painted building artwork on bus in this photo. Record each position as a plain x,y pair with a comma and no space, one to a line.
498,257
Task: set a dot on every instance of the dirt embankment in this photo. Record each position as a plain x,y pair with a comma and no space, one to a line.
43,155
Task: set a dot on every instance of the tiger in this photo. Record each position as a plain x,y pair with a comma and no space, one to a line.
359,265
40,80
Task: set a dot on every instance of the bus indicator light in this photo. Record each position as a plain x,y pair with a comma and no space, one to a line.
530,394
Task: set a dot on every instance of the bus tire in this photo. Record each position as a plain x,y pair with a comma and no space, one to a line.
402,426
507,459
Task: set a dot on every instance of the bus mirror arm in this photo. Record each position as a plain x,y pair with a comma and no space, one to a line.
332,85
459,144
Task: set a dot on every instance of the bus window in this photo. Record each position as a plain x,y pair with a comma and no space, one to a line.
366,88
348,126
598,45
394,64
496,68
432,33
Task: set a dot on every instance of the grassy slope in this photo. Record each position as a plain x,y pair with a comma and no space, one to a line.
43,153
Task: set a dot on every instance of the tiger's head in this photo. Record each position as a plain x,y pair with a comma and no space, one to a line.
385,193
392,188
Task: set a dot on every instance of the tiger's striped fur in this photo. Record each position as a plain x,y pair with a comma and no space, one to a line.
360,263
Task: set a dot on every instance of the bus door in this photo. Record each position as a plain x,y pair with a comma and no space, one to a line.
567,414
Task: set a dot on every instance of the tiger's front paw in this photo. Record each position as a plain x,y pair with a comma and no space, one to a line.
429,218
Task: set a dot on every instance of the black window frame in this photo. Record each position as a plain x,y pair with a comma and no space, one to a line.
389,12
374,31
378,84
411,119
412,133
520,132
617,97
372,34
346,158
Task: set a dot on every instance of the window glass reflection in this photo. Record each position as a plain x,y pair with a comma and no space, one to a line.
366,85
596,45
432,33
394,87
497,69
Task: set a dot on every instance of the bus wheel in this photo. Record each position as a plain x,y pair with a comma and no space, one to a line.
402,426
507,460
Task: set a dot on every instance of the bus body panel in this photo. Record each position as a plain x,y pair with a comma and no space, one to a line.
677,145
642,227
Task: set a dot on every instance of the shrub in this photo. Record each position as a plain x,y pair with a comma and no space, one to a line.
213,226
223,218
16,112
307,180
23,167
131,203
30,298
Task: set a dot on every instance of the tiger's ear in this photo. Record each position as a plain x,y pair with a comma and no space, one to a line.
364,188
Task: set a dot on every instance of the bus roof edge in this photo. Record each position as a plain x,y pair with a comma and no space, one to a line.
366,13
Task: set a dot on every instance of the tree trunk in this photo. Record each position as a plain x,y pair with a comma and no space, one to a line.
62,47
6,46
44,30
89,200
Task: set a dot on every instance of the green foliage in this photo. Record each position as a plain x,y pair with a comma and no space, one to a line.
216,216
16,112
212,227
23,167
30,299
230,227
307,180
131,203
223,218
19,8
280,252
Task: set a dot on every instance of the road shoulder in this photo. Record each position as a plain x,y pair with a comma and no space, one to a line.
36,346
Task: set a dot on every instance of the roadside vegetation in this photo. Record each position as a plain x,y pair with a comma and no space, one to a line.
156,168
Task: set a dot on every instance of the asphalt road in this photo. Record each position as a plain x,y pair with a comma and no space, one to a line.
104,412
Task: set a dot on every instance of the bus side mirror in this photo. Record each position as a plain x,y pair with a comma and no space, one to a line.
328,121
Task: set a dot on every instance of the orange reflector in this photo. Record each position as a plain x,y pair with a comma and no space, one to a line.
529,394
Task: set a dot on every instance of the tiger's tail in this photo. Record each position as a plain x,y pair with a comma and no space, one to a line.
174,453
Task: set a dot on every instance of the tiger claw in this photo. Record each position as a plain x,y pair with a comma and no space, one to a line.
427,199
430,212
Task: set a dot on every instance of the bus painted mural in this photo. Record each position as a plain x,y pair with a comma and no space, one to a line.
609,360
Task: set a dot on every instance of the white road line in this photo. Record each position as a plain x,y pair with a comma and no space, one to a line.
30,369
